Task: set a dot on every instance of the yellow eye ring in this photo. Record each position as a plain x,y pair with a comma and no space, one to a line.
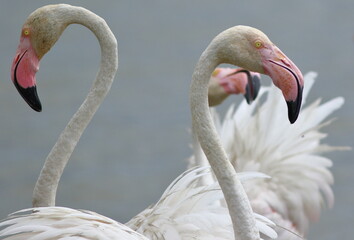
216,72
258,44
26,32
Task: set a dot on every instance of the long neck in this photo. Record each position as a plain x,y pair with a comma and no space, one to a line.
45,190
235,196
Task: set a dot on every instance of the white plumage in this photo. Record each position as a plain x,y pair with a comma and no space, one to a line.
63,223
186,211
258,138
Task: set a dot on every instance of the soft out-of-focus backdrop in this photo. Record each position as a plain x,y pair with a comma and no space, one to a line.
138,141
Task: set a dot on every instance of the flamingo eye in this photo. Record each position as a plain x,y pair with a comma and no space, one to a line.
258,44
216,72
26,32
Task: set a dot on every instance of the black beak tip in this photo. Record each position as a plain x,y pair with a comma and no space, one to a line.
294,107
36,106
248,97
252,91
31,97
256,80
293,113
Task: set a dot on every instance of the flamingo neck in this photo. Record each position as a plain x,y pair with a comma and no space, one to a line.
239,207
45,189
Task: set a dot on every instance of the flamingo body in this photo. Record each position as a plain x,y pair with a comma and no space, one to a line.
186,210
45,223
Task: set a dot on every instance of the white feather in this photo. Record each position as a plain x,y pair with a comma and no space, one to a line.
193,211
186,210
63,223
260,138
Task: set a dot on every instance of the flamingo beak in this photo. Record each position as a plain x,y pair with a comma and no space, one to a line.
246,82
252,87
286,76
23,73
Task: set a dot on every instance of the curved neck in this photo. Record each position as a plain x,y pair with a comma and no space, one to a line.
45,190
239,207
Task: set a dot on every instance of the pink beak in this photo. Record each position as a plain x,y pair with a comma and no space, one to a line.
236,81
286,76
23,73
253,85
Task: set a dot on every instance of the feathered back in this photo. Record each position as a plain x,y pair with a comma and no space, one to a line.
63,223
188,210
260,138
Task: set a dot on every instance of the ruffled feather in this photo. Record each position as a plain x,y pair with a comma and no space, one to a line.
260,138
63,223
190,210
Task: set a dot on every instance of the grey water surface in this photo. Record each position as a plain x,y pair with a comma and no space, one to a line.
138,141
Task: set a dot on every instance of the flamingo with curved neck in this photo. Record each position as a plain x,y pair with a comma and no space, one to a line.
251,49
36,40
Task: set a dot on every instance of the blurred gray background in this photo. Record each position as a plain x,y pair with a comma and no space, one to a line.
138,141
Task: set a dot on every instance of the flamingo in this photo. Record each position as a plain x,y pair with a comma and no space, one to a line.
39,33
227,81
251,49
40,223
300,183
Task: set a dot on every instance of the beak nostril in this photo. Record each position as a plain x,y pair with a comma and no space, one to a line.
283,60
17,57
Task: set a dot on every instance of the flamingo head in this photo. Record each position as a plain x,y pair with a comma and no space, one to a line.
238,81
39,33
251,49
